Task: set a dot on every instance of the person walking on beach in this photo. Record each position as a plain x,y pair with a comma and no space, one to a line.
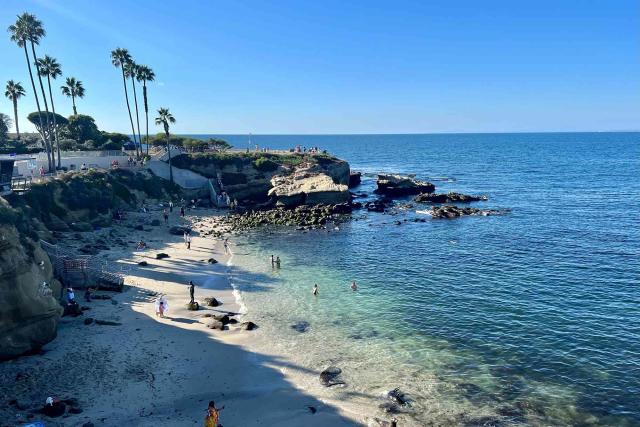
188,241
182,211
314,291
354,287
165,213
226,245
212,418
192,289
170,205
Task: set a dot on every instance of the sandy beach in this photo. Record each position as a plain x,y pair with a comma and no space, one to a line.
147,370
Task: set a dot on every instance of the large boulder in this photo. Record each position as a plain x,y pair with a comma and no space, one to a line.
354,179
29,312
308,187
399,185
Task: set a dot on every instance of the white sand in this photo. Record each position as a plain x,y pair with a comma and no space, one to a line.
163,372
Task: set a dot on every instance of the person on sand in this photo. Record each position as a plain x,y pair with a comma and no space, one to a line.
226,245
170,205
87,294
165,213
354,287
212,418
161,306
182,211
314,291
71,296
192,290
188,241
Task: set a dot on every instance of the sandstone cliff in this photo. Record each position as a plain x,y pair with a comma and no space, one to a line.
264,177
29,313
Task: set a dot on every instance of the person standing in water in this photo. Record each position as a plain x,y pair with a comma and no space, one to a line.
192,290
314,291
277,262
354,287
273,262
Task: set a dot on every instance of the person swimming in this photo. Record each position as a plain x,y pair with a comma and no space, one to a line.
314,291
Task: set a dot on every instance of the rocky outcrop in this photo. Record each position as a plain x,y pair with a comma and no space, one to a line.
302,216
307,186
399,185
354,179
29,312
449,197
249,177
330,377
449,212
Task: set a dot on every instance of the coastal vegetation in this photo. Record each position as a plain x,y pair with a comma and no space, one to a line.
164,119
13,92
73,89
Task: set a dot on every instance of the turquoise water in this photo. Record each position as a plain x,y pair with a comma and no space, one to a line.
529,318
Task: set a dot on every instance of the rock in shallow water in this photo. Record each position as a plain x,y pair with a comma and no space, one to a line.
329,377
301,326
398,185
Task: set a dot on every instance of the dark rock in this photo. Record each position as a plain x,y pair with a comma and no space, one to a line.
211,302
301,326
449,197
88,320
162,255
193,306
328,377
72,310
398,397
178,231
450,211
390,408
107,323
248,326
156,222
233,321
56,410
354,179
398,185
216,324
212,261
222,318
312,409
143,263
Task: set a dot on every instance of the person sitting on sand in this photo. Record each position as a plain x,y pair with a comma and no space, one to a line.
213,415
354,287
314,291
141,245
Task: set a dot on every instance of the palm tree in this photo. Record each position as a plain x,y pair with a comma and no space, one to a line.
73,88
14,91
145,74
131,72
21,33
164,118
119,58
50,67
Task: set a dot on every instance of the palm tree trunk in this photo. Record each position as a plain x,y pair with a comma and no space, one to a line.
15,115
146,111
46,107
169,152
126,96
135,100
35,93
73,101
55,125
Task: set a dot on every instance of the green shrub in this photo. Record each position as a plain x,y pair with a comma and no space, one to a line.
264,164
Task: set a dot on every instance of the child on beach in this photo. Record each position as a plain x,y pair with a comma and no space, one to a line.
213,415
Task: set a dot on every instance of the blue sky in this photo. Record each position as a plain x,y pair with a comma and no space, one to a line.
349,66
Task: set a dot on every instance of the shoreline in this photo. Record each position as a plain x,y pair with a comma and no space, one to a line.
151,371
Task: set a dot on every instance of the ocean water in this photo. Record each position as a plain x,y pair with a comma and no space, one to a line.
532,318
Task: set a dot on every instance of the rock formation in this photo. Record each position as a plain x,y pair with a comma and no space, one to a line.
308,186
29,312
449,197
449,212
398,185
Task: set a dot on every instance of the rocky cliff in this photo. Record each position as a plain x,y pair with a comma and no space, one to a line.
291,179
29,313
